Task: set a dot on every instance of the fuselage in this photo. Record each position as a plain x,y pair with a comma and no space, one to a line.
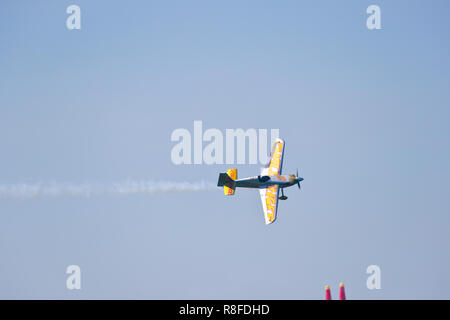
283,181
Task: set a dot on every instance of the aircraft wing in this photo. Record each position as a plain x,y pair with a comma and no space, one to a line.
269,195
269,198
276,159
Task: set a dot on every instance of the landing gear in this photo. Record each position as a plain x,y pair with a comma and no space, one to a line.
283,197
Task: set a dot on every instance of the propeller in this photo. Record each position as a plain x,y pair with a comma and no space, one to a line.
298,182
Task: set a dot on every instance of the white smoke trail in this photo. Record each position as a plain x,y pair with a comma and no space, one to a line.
30,190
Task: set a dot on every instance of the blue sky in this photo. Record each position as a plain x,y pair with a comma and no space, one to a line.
364,115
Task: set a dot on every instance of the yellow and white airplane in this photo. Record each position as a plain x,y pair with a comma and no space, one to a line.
269,182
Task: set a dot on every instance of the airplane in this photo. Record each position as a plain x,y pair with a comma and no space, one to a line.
269,182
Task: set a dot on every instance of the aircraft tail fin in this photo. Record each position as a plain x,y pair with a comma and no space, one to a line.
226,180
